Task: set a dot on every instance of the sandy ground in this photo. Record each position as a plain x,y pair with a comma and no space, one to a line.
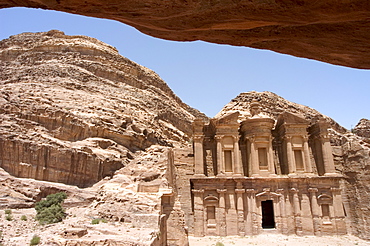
278,240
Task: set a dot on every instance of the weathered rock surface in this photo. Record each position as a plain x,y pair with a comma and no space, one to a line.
351,153
72,110
127,217
363,128
331,31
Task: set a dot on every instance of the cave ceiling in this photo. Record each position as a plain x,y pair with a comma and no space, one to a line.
331,31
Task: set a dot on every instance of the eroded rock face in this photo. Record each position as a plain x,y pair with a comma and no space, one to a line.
363,128
126,217
73,110
330,31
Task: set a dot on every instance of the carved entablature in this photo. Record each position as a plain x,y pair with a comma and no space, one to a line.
319,129
198,126
267,194
300,130
289,124
228,119
257,126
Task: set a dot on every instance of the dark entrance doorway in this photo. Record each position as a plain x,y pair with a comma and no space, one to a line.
268,219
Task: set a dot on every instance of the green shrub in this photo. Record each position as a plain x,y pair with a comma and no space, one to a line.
50,210
24,218
35,240
8,211
9,217
95,221
219,244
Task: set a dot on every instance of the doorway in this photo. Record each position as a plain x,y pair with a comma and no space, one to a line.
268,218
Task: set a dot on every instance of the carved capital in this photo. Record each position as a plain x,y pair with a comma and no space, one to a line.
221,191
313,190
324,137
287,138
219,137
335,190
200,191
198,138
280,191
294,190
239,191
250,138
251,191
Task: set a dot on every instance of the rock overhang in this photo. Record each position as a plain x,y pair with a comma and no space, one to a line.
330,31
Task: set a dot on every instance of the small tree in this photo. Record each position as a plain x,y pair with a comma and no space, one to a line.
50,210
95,221
9,217
35,240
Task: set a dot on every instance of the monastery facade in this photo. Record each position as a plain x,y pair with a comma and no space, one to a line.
262,175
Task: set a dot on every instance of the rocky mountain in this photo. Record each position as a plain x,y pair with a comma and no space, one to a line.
363,128
72,110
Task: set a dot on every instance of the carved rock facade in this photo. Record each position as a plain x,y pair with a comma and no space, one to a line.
258,175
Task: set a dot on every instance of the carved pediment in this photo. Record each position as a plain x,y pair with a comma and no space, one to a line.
228,119
290,118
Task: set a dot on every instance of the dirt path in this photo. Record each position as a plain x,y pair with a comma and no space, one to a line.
279,240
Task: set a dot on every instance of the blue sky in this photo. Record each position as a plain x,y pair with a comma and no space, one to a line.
207,76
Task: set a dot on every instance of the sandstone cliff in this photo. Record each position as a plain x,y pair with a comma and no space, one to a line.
351,153
327,30
73,110
130,217
363,129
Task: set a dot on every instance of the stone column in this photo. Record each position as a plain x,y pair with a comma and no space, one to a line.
338,211
240,209
198,213
198,155
220,161
327,155
283,229
253,222
306,153
271,165
237,162
315,211
254,167
231,216
221,220
297,212
290,159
